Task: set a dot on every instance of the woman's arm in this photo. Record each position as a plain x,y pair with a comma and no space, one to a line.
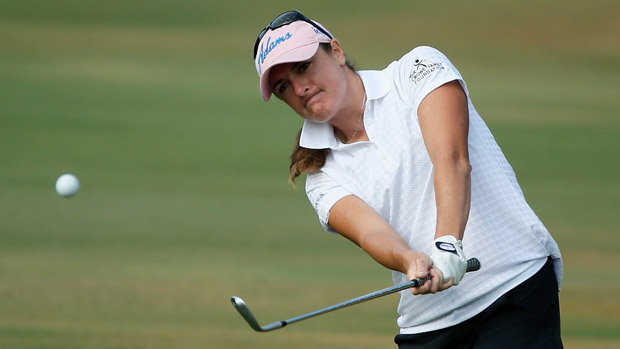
444,120
361,224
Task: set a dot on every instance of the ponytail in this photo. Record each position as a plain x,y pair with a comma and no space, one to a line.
305,160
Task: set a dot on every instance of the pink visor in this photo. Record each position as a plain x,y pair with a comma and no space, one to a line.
293,42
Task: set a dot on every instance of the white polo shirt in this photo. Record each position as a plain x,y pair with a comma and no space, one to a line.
392,173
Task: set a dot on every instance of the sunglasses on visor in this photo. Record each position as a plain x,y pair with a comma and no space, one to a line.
284,19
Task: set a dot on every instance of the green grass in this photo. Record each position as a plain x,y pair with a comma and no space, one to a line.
154,105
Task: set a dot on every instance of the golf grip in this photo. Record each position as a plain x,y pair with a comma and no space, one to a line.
473,264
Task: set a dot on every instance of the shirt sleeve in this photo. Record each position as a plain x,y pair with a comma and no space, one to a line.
323,193
423,70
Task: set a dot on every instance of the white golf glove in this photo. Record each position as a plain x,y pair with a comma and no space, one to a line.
448,257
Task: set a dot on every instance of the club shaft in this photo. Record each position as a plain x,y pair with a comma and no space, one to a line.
361,299
472,265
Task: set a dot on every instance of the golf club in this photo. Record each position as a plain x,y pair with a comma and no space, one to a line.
473,264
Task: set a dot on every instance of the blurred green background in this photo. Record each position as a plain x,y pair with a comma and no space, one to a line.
155,106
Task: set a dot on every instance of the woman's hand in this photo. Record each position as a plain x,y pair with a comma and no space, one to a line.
420,267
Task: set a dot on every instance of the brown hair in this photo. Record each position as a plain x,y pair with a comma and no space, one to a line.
304,160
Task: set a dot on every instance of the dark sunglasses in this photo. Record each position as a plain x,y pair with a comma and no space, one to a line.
284,19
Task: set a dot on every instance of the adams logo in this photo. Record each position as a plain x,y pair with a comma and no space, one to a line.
267,47
423,68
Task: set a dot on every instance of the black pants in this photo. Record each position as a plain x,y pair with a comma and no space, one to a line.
528,316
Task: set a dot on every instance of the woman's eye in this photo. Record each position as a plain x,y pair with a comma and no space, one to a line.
282,87
304,66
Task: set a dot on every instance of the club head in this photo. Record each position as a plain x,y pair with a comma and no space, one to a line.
245,312
243,309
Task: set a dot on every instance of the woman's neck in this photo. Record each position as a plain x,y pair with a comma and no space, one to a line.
349,127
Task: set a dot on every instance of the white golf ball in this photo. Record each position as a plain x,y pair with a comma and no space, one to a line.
67,185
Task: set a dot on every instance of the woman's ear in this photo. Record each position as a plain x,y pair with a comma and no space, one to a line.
338,52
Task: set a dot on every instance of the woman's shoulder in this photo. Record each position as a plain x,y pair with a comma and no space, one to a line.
420,71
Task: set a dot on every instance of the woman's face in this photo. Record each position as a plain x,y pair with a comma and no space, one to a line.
314,88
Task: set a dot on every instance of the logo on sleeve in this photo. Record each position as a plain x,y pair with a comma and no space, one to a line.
423,68
318,200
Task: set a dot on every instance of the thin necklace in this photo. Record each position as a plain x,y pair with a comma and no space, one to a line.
359,121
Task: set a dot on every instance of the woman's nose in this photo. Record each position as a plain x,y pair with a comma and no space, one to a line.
301,88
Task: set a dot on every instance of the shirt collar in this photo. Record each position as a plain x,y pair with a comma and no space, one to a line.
316,135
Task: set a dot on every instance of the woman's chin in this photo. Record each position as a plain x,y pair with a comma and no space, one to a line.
318,119
318,114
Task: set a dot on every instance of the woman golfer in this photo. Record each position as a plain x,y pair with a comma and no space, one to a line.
399,162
